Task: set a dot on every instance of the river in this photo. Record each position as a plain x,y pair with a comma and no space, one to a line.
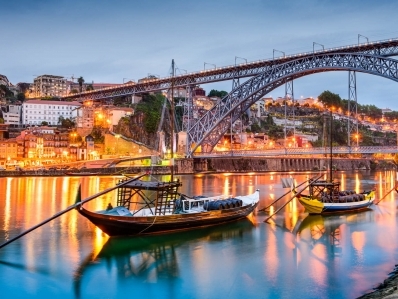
292,256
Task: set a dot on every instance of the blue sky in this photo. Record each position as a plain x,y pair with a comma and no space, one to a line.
107,41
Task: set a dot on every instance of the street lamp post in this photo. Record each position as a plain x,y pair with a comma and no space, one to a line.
204,65
117,136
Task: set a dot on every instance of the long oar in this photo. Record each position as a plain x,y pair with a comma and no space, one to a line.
68,209
385,195
313,179
295,195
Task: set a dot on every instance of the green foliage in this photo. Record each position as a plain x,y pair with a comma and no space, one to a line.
96,133
1,120
151,106
66,122
80,80
44,123
255,128
21,97
120,102
216,93
391,116
74,91
89,87
330,99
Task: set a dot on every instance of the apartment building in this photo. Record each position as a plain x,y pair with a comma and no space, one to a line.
49,86
34,112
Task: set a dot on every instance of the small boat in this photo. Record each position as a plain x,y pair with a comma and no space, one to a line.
325,197
152,207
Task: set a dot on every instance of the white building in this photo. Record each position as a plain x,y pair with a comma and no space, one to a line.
34,112
13,115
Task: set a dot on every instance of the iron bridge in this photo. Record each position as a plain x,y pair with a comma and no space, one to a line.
302,151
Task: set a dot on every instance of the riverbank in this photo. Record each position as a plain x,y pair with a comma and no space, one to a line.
221,165
388,289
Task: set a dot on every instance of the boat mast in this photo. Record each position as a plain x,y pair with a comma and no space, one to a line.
330,143
172,120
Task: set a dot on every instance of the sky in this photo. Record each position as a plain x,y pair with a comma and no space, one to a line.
111,41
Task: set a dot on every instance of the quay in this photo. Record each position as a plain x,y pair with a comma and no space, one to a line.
225,164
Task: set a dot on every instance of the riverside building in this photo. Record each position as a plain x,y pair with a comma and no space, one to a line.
34,112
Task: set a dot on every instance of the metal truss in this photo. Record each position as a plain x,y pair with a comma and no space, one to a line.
352,121
289,94
211,127
383,48
188,107
302,151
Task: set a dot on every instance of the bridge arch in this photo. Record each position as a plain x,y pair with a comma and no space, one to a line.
209,129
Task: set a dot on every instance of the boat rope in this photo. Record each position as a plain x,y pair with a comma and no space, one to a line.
393,188
272,203
297,194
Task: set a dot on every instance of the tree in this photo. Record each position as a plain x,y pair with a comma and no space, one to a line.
330,99
216,93
89,87
66,122
74,91
44,123
21,97
81,81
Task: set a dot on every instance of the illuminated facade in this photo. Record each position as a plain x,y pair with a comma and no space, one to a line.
34,112
49,86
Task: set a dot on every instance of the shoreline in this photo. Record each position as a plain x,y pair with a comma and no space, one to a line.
387,289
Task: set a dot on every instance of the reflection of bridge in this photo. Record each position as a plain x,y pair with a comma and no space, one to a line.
266,75
304,151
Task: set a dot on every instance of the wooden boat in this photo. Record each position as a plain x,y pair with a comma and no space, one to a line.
325,197
149,207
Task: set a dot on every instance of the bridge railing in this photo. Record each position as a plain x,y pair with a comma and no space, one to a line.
303,151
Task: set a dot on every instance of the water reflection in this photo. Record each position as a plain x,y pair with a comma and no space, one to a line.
330,229
327,256
153,258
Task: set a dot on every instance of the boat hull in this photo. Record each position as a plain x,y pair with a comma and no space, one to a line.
314,206
144,225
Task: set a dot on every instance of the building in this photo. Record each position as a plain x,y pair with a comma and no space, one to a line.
9,153
49,86
12,114
34,112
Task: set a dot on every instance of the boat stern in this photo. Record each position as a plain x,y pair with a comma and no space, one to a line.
312,206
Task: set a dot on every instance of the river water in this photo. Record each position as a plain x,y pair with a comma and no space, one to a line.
292,256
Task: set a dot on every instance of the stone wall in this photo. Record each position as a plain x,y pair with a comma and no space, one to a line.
235,164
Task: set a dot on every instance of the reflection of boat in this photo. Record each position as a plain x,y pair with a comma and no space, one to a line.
327,228
325,197
161,209
149,257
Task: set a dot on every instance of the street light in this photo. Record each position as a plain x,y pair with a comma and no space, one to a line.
313,46
359,35
117,136
273,53
237,57
186,72
357,138
204,65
